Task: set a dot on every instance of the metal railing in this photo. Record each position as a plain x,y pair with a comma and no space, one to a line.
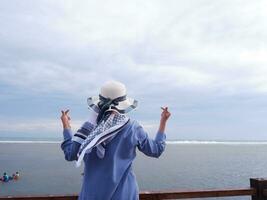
257,191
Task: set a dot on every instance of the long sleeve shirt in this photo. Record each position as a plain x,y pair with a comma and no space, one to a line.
112,177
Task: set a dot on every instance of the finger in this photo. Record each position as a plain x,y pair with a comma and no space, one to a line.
62,112
68,118
67,111
164,109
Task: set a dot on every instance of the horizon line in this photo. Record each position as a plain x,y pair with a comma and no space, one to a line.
226,142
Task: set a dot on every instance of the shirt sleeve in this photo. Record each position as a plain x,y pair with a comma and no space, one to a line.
71,144
150,147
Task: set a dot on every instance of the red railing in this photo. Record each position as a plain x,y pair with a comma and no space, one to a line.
257,191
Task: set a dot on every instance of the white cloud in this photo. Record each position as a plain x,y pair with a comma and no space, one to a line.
49,77
70,46
36,126
161,49
50,127
176,76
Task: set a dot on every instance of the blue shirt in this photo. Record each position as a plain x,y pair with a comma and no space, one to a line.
112,177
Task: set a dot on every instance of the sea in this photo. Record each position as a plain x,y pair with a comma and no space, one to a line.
183,165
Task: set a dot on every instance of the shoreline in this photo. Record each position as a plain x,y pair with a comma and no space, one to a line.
180,142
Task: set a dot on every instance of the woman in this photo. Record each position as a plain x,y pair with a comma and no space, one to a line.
107,144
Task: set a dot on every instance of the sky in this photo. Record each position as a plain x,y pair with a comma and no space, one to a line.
204,59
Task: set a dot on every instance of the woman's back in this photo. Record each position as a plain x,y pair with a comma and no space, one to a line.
112,177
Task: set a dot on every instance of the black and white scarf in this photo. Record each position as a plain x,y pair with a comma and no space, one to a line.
101,134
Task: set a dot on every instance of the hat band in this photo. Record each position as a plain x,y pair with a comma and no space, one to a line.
93,103
114,101
105,103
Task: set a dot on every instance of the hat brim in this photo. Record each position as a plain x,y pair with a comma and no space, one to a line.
123,107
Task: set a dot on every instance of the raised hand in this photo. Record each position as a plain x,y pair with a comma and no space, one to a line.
165,114
65,118
164,117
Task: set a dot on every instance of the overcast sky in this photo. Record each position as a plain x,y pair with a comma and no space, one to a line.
205,59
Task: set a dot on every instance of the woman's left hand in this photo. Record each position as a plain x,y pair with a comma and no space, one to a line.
165,114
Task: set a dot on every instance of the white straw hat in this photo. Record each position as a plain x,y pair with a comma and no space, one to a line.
116,91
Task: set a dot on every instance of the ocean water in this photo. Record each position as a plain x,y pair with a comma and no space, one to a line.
183,165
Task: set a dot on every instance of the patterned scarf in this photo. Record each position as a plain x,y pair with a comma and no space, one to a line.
103,132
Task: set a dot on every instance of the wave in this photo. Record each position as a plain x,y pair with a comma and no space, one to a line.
218,142
29,141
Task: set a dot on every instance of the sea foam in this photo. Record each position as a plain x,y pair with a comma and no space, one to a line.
218,142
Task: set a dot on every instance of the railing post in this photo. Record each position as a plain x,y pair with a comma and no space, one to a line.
260,185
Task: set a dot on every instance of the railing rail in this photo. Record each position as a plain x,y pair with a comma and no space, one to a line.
196,194
257,191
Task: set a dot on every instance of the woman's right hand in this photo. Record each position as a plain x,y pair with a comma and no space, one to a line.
164,117
65,118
